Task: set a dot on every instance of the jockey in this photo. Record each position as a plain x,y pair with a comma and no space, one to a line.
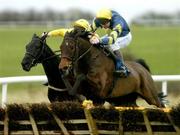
119,35
80,25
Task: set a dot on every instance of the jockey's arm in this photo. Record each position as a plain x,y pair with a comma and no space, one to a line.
94,37
108,40
58,32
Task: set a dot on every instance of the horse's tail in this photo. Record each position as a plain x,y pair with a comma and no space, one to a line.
144,64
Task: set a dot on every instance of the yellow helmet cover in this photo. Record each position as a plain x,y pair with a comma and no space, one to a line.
104,14
82,23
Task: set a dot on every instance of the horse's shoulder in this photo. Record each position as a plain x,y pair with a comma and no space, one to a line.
131,65
129,62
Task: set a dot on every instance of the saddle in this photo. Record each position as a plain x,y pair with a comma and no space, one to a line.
107,51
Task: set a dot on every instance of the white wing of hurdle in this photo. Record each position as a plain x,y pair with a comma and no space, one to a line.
4,81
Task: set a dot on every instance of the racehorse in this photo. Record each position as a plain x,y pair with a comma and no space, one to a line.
91,62
37,51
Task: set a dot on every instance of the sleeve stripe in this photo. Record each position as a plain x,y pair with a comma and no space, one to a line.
111,41
113,36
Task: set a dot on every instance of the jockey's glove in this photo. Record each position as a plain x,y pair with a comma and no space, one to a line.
94,39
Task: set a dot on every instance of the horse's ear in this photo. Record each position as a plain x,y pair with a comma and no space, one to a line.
44,36
34,36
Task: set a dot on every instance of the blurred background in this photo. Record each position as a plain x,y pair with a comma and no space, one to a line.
155,26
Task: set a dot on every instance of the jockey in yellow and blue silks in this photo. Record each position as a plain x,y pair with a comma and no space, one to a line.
118,37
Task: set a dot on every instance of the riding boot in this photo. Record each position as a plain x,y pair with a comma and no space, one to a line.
121,69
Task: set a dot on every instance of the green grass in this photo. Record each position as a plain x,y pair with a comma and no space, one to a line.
159,46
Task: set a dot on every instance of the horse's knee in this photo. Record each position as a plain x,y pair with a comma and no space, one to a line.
51,95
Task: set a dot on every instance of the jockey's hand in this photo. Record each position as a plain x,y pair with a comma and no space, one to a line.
94,40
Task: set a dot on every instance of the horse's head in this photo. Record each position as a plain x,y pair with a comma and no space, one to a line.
34,50
74,46
68,51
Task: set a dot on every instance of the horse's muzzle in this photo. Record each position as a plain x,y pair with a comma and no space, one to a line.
26,65
65,64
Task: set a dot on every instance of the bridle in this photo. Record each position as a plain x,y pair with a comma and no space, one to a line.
76,57
35,59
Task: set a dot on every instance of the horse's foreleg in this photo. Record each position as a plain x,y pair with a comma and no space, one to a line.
66,82
73,89
99,81
79,79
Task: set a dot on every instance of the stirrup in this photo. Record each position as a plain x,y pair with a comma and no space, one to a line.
121,73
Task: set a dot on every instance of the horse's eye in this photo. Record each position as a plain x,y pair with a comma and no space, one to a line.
71,47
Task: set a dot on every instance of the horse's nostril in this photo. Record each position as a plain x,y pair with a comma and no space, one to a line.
65,68
25,66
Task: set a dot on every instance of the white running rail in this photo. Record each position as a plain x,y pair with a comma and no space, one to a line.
4,81
19,79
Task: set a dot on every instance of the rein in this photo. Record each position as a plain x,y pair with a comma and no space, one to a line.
81,56
48,58
73,58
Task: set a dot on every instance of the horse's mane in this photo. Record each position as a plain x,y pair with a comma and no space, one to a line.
74,34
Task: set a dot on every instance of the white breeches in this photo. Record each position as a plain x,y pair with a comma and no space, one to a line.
121,42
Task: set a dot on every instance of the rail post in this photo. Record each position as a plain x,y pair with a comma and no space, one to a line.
4,94
164,87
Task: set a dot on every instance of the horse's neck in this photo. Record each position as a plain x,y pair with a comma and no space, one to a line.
87,49
93,59
51,69
83,63
47,52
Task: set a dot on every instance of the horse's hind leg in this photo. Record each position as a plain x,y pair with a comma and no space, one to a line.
150,95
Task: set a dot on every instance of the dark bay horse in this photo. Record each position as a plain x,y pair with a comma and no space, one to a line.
37,51
97,68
